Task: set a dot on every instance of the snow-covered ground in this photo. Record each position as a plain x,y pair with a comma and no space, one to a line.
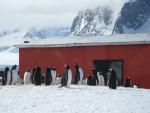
76,99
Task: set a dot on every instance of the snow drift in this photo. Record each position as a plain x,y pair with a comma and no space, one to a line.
76,99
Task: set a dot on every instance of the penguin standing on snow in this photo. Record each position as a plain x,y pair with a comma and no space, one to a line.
113,80
4,78
68,74
14,75
48,76
101,79
53,72
77,73
8,74
32,75
26,78
95,77
38,76
67,77
80,82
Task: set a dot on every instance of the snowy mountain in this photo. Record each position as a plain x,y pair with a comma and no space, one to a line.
62,31
99,21
134,18
10,37
8,32
47,32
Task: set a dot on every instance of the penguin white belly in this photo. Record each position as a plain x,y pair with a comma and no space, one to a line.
69,77
8,78
26,79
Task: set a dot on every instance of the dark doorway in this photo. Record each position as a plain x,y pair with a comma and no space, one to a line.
104,66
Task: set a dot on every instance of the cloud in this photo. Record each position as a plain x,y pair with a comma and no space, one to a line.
50,12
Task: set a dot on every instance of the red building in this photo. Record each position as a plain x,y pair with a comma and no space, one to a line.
129,55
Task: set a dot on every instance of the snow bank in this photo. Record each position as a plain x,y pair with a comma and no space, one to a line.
77,99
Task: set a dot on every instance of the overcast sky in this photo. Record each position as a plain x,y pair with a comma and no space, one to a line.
28,13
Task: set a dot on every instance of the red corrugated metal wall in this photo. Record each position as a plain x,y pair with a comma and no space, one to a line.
136,59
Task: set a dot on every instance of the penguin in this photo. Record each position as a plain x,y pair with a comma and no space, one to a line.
8,73
77,73
80,82
113,80
95,80
14,75
69,75
26,78
48,76
53,73
32,75
101,79
38,76
4,77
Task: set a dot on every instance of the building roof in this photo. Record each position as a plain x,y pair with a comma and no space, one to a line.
119,39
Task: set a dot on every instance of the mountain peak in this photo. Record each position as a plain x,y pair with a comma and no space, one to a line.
47,32
134,17
94,22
